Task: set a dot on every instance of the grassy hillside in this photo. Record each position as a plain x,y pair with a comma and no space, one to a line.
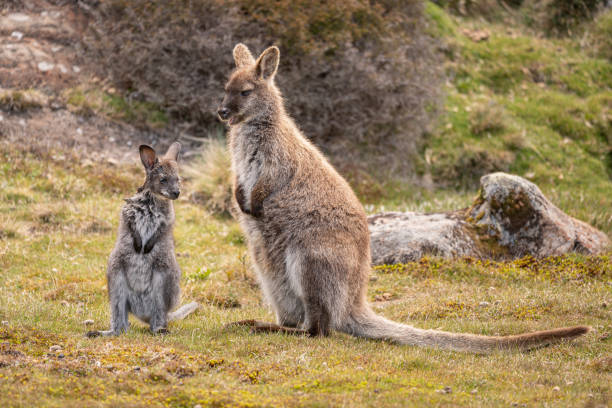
519,102
535,106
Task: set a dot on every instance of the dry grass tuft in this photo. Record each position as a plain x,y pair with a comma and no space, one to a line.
211,177
487,118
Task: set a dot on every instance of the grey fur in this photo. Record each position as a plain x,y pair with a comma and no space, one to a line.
143,275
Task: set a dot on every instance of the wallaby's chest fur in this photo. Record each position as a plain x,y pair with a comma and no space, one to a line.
147,215
247,157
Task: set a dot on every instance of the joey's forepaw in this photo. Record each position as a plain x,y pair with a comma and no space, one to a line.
148,247
137,244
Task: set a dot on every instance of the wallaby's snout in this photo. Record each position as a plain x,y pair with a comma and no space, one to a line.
174,194
223,113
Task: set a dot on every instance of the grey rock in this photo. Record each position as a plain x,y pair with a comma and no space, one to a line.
404,237
516,213
510,218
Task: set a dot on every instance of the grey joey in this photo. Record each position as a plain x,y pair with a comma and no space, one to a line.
143,275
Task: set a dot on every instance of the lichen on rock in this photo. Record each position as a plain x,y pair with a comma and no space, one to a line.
510,218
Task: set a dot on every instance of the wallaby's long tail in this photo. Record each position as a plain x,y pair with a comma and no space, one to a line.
183,311
366,323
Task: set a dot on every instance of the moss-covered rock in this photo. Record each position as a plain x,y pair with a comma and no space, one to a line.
510,218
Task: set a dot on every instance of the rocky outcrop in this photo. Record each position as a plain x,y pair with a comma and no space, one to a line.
510,218
403,237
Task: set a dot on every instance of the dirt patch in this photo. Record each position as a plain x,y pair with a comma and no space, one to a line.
41,59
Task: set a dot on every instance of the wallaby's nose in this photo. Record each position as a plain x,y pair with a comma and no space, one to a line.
223,113
175,194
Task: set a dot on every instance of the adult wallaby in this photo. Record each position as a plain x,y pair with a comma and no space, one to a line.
306,230
143,275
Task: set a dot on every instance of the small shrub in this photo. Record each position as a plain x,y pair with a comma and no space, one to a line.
211,177
465,168
601,36
564,15
487,118
20,101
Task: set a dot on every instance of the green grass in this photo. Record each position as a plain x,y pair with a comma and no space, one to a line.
89,101
59,221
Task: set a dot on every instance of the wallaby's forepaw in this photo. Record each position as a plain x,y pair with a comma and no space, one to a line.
137,244
149,246
256,210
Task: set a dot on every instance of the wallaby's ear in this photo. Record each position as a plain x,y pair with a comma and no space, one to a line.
147,155
267,63
242,56
173,151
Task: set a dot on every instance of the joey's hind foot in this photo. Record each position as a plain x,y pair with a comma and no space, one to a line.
161,330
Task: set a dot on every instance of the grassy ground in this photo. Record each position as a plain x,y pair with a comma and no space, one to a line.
58,224
537,107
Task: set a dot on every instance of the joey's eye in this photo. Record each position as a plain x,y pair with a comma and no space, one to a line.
163,180
246,93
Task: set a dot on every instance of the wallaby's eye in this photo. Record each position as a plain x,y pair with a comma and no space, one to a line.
163,180
246,93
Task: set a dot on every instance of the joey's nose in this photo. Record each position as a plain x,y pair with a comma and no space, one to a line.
223,113
175,194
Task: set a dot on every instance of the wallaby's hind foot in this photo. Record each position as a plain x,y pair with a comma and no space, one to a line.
161,330
265,327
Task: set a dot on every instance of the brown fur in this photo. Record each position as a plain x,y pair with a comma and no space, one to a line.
306,230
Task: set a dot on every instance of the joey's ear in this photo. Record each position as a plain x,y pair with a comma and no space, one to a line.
267,63
147,155
173,151
242,56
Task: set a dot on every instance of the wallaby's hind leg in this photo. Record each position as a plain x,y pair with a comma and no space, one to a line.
119,308
318,323
324,290
159,304
288,307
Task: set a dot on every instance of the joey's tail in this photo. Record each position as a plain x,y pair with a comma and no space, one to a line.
366,323
183,311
